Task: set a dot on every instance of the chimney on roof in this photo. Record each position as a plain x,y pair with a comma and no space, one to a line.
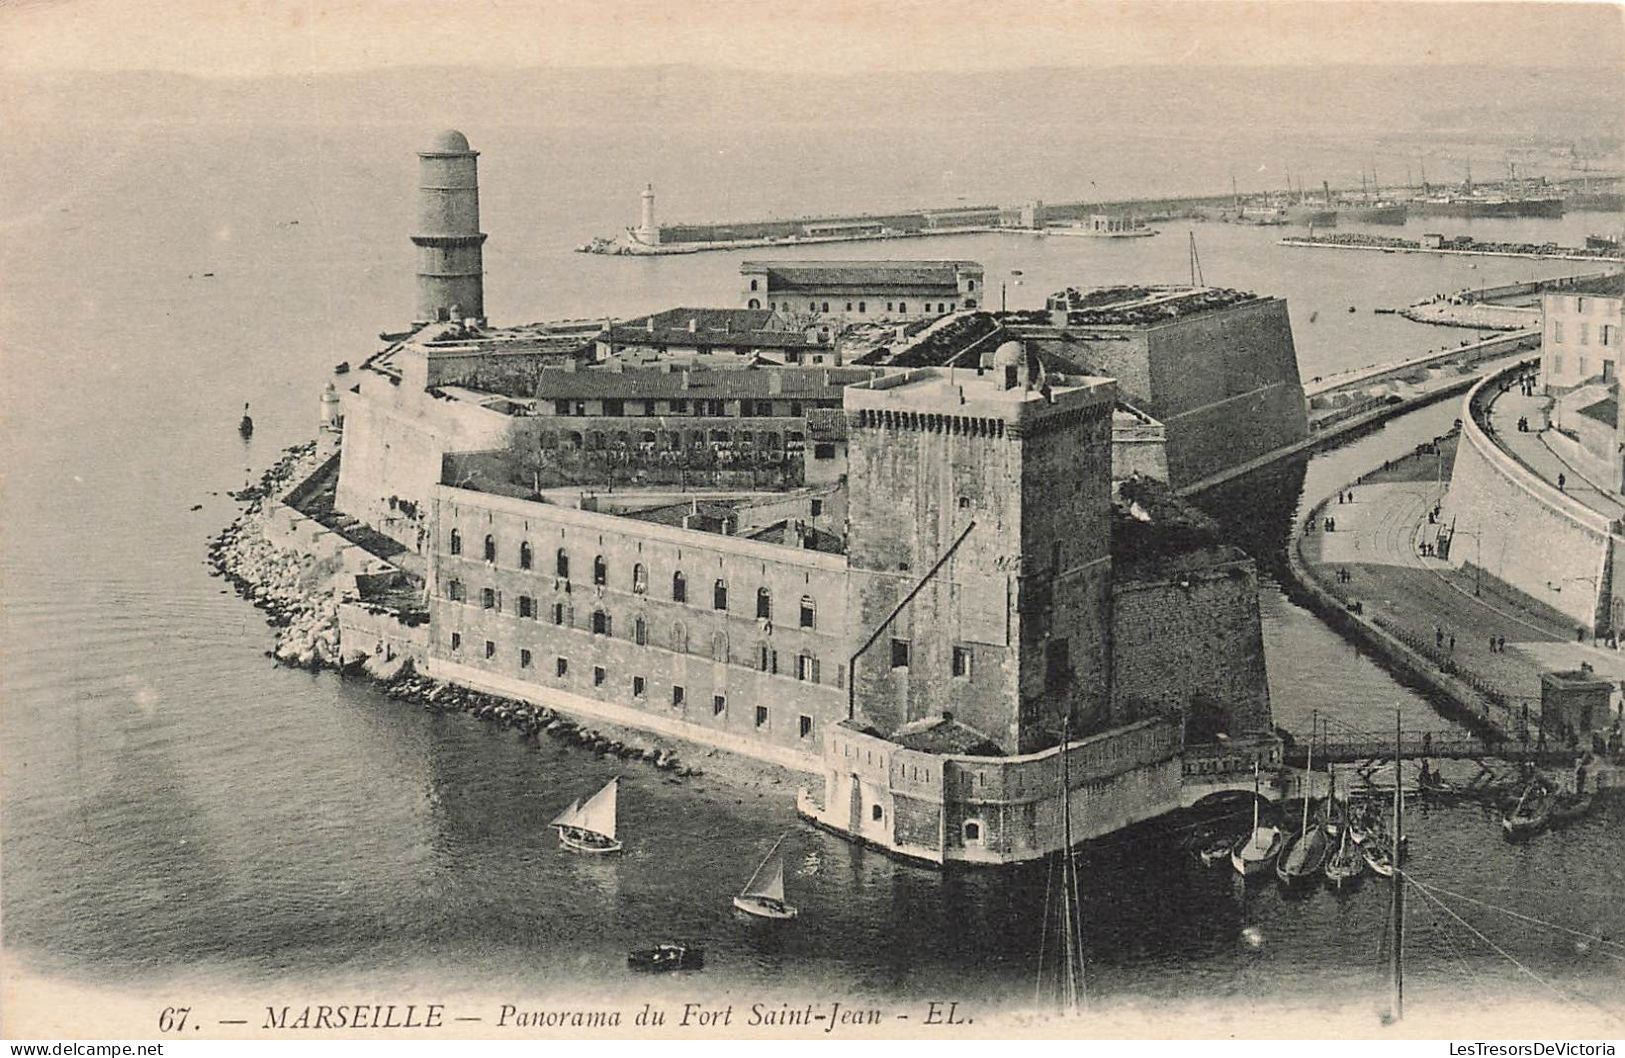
693,325
688,379
649,324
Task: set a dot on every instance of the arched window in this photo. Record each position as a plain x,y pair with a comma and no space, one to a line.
863,306
525,556
640,578
809,612
575,440
679,638
970,285
562,564
764,604
679,587
719,595
825,307
753,286
754,303
559,613
490,548
456,542
600,570
719,647
970,303
973,832
600,623
640,631
877,813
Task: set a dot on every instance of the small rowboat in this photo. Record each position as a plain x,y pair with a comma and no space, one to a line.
1529,816
663,957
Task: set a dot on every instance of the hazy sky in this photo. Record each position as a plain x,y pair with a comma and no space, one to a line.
244,37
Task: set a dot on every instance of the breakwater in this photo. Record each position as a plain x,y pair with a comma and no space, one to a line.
1460,245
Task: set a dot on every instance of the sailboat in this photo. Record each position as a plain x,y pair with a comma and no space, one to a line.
590,827
1530,815
1254,852
1304,856
1346,864
763,895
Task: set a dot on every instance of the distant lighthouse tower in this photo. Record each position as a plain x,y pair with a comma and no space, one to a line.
451,270
648,231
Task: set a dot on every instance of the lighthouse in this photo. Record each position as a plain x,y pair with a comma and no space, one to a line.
648,231
450,270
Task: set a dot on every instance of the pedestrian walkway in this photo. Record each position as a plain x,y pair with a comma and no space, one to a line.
1455,618
1532,451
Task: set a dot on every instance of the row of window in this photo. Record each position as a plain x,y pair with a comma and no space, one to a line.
640,685
862,306
807,667
706,407
808,616
1606,333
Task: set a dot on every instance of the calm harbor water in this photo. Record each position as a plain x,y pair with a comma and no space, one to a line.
177,808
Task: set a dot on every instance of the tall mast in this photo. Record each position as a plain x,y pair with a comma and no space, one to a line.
1397,975
1072,927
1308,773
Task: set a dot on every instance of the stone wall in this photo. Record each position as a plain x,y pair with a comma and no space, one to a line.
1523,530
796,674
1194,637
375,632
394,439
919,804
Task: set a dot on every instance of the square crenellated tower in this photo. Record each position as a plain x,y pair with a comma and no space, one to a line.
979,550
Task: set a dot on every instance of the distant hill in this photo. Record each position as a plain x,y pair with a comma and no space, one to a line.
1400,100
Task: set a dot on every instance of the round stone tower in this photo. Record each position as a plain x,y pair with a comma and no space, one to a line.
451,271
648,230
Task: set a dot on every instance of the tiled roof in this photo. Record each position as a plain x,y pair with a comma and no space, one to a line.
733,328
945,735
795,383
901,278
826,424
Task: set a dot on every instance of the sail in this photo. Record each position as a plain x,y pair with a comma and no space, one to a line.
598,814
566,818
772,886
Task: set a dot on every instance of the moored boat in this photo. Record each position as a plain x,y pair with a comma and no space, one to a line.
1346,865
1304,856
1530,815
1259,846
1566,808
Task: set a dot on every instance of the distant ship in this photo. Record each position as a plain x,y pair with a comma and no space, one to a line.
1372,211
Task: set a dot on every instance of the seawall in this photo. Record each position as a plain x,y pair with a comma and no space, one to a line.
1495,502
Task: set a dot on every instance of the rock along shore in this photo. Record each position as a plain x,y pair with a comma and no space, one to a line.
296,592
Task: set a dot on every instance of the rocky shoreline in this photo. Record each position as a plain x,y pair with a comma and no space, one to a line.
295,590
